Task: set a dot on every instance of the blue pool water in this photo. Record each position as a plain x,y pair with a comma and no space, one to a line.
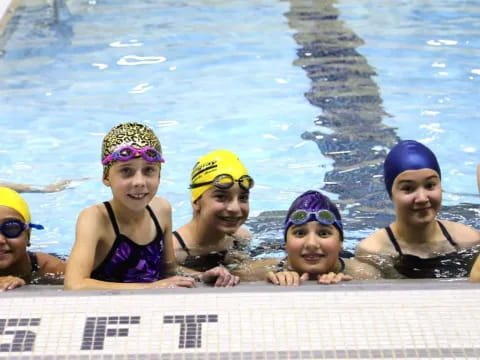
209,74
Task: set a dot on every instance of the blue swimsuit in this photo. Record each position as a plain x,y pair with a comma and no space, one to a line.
130,262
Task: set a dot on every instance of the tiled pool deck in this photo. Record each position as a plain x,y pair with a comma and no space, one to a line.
357,320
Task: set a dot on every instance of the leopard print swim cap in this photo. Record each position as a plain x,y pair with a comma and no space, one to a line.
130,133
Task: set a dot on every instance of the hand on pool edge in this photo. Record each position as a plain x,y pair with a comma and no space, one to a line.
219,277
10,282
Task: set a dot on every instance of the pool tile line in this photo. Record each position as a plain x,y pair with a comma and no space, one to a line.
419,322
443,353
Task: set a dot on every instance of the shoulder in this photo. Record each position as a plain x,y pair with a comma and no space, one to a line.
242,236
360,270
94,213
49,264
462,234
160,205
375,243
163,211
93,223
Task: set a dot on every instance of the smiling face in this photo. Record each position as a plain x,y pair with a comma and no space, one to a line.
313,247
417,196
223,210
134,183
13,251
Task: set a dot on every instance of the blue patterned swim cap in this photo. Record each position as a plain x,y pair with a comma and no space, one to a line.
408,155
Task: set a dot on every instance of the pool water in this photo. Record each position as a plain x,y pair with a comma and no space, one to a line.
288,85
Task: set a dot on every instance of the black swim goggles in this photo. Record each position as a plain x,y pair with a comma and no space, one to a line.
324,216
226,181
13,228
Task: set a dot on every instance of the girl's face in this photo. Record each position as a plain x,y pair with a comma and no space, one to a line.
12,250
134,183
417,196
224,210
313,248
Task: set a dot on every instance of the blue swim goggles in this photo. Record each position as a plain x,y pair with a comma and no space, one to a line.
324,216
13,228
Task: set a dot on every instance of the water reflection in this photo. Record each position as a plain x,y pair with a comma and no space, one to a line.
350,125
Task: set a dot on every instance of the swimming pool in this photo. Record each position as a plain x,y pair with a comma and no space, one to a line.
310,94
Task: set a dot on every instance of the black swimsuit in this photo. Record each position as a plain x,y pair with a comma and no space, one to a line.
202,262
453,264
33,261
130,262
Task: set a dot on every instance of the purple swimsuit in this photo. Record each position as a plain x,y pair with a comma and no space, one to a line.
129,262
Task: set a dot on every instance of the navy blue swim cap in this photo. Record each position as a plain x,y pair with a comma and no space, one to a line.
313,201
407,155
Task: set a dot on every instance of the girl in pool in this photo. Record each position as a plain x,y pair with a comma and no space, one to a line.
126,243
17,265
417,244
220,187
313,234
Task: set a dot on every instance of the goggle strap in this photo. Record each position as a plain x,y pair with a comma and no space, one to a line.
36,226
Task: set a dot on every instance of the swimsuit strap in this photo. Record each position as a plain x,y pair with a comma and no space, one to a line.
342,264
393,240
33,261
155,220
113,220
447,234
181,242
111,215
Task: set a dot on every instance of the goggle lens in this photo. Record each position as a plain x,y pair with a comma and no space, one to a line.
245,182
223,181
12,228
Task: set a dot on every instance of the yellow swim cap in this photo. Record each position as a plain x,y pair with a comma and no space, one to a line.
215,163
10,198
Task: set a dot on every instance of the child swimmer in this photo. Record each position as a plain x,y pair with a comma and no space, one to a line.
17,265
313,234
417,244
220,188
126,243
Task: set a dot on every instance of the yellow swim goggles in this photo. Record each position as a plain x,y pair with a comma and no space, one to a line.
226,181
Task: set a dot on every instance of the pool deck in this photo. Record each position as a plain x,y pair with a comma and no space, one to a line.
402,319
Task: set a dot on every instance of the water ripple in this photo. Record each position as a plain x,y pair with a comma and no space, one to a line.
131,60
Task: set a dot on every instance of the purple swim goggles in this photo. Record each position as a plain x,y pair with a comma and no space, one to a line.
125,153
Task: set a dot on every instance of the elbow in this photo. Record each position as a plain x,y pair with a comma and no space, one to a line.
73,284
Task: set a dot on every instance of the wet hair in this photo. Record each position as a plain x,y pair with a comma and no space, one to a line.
408,155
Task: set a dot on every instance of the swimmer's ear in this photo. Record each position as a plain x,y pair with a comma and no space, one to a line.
106,181
196,205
